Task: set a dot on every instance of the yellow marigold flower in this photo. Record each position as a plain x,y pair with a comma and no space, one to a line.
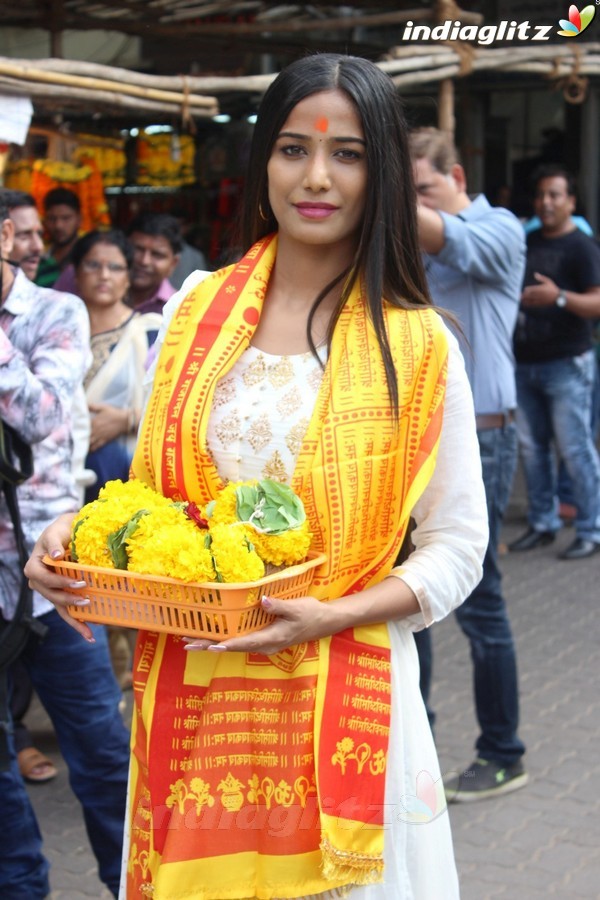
166,542
89,537
234,560
224,511
283,549
117,502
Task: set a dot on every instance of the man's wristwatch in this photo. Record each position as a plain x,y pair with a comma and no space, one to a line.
561,300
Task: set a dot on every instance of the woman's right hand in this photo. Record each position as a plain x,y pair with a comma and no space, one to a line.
53,542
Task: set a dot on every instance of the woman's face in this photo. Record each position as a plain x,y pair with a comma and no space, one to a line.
103,276
317,172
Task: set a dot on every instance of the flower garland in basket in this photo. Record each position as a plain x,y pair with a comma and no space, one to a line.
251,528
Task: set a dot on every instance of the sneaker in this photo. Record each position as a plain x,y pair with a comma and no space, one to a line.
484,778
531,540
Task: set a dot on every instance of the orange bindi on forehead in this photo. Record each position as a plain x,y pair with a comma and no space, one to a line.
322,124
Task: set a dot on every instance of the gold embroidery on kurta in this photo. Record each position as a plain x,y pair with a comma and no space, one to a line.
229,429
281,372
289,403
275,468
295,436
259,433
225,392
315,378
256,371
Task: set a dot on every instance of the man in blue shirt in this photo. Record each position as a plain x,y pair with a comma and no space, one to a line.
475,257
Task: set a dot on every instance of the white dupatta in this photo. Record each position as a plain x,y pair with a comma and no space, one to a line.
119,381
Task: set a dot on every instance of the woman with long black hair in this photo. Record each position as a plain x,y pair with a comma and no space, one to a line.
297,761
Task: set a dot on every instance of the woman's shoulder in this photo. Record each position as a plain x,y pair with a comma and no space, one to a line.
192,281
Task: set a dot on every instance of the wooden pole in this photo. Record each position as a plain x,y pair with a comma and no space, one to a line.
31,73
107,100
56,27
446,119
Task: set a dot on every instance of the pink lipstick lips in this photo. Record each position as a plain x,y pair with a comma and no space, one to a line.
315,210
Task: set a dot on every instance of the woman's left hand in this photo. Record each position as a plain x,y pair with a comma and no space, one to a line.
107,423
296,621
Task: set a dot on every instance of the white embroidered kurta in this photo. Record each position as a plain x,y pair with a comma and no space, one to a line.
261,411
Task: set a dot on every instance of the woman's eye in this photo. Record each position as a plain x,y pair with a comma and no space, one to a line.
292,150
346,153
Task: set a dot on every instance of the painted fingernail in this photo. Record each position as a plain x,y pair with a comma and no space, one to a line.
82,601
216,647
56,554
91,640
192,646
266,603
77,584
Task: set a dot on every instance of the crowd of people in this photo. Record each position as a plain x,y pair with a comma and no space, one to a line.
380,323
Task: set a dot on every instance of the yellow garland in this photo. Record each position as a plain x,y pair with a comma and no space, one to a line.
224,509
166,542
277,549
234,560
117,502
282,549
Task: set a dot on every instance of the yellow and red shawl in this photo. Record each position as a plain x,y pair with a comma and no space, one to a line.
256,777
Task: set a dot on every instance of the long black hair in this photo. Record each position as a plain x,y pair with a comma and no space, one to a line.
388,256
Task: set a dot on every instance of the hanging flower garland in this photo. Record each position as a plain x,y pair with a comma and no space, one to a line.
84,180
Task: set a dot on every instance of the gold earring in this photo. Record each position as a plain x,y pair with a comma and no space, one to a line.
261,213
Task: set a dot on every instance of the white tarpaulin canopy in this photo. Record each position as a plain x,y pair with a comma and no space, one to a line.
15,118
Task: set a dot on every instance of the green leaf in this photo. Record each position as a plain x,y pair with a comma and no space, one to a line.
74,556
117,540
246,501
270,507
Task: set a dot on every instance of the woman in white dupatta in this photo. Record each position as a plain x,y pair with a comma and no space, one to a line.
120,339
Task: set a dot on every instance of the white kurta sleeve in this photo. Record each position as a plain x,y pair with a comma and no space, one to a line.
451,536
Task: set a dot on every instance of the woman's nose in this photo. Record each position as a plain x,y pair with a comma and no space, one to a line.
318,176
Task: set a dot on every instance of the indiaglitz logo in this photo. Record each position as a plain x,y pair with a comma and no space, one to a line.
578,21
426,804
505,30
482,34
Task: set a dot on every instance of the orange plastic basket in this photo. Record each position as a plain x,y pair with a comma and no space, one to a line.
212,610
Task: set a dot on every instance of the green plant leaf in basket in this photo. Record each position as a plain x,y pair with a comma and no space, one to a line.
208,545
74,556
269,506
117,540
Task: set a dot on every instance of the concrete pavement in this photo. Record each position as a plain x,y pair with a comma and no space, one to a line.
542,841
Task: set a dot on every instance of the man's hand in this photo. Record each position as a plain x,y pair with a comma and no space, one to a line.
542,294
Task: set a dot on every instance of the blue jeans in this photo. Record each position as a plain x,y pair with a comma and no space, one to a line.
75,682
554,418
565,488
483,617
